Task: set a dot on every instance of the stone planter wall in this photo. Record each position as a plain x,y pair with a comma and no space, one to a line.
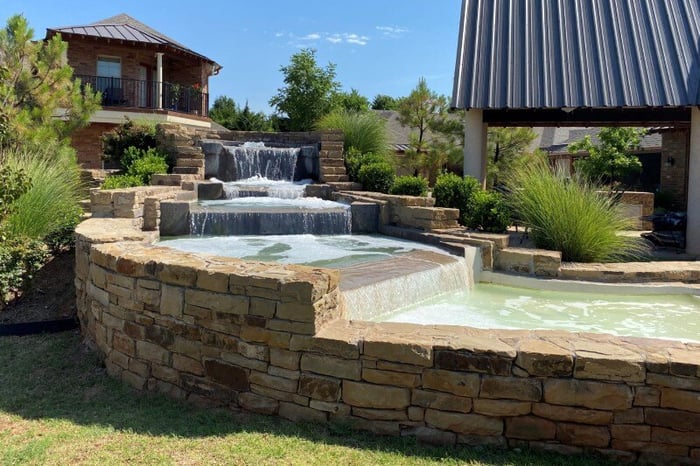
404,211
273,339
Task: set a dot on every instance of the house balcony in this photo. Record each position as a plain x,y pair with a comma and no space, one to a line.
137,94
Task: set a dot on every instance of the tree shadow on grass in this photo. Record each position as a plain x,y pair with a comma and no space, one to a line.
57,377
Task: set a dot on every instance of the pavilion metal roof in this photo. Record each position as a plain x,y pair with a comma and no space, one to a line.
124,27
549,54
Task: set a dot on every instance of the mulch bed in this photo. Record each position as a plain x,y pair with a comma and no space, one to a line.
50,296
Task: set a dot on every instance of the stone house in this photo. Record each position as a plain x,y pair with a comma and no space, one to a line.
141,73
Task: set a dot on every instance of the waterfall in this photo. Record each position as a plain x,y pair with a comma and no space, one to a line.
372,290
271,216
274,163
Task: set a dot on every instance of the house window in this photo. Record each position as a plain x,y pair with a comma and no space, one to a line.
109,74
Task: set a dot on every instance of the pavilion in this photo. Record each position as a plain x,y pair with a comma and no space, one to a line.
583,63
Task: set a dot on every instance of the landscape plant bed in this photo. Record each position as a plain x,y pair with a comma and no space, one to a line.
48,304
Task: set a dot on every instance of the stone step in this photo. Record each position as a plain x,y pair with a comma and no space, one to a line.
333,170
190,162
330,154
85,205
334,162
172,179
335,178
187,170
345,186
189,151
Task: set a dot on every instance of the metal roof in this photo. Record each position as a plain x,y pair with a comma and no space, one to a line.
124,27
525,54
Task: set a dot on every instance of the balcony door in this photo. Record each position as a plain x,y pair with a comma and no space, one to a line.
143,86
109,77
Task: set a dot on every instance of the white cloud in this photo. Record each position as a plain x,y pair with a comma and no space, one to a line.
393,32
333,38
355,39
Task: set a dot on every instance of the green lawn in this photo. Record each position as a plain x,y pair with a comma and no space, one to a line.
57,406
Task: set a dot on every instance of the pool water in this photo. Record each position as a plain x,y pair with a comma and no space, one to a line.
332,251
495,306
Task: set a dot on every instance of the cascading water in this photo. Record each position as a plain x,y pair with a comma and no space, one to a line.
371,291
263,199
270,216
254,159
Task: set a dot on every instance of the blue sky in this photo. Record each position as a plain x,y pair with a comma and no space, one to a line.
378,46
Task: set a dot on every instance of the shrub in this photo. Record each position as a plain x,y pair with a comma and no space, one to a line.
354,160
121,181
148,165
14,182
455,192
140,166
570,215
410,186
138,134
365,131
51,202
377,177
20,258
488,212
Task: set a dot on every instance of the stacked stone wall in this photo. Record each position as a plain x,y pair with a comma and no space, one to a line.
404,211
674,176
273,339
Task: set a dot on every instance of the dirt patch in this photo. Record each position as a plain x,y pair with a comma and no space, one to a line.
50,296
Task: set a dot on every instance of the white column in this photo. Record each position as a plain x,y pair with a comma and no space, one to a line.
693,230
159,78
475,157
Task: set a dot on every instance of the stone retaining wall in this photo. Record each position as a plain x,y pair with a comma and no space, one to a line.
406,211
272,338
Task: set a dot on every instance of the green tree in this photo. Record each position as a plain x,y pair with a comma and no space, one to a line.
438,136
610,160
224,111
308,93
35,84
351,101
385,102
249,120
227,113
507,150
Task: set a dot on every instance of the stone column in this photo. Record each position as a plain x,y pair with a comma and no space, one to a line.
693,230
159,78
475,158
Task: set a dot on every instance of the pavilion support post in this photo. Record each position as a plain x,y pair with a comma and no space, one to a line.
693,229
475,157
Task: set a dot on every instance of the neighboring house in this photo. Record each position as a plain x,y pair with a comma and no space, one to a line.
399,138
141,73
555,142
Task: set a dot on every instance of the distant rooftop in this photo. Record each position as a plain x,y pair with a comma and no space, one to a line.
124,27
558,54
558,139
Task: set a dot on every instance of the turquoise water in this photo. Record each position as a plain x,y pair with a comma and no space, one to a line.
333,251
495,306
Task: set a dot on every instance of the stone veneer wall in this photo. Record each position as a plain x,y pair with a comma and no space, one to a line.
272,338
674,178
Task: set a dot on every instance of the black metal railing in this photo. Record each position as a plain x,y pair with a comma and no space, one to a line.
121,92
